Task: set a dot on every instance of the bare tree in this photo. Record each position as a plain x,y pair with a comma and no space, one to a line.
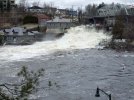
22,5
80,15
36,3
46,5
91,10
88,9
23,2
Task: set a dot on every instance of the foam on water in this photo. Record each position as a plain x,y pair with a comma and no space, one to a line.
79,37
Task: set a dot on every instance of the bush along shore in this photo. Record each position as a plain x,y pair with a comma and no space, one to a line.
122,34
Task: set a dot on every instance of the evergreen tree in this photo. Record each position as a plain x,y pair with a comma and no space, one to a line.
118,28
28,85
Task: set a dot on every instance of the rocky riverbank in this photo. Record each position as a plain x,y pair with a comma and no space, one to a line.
120,45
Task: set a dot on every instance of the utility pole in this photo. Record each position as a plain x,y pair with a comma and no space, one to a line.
72,12
51,8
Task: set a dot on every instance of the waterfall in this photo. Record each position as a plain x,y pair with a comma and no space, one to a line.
79,37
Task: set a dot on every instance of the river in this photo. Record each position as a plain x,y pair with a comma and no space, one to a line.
75,64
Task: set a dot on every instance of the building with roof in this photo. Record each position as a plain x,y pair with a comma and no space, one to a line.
42,17
46,10
5,3
72,12
35,9
62,12
58,25
107,14
115,9
18,35
59,22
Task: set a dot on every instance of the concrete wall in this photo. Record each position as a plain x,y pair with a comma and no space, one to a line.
19,39
59,25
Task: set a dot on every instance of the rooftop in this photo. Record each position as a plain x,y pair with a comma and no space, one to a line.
57,19
18,31
35,7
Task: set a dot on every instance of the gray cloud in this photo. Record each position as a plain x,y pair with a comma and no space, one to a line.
79,3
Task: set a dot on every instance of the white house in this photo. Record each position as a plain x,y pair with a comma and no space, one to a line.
35,9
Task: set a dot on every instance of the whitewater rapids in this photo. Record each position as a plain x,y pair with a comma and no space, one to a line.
79,37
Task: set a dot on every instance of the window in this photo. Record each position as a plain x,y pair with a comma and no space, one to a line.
14,39
12,2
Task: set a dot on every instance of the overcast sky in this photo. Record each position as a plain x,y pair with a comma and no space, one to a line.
79,3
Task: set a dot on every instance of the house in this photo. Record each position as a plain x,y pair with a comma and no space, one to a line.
66,12
59,22
72,12
109,12
18,35
58,25
47,10
35,9
42,18
62,12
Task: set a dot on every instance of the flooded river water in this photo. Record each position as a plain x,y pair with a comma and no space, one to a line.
75,64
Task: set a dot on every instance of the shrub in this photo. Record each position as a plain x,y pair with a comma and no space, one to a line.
1,39
118,28
30,19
